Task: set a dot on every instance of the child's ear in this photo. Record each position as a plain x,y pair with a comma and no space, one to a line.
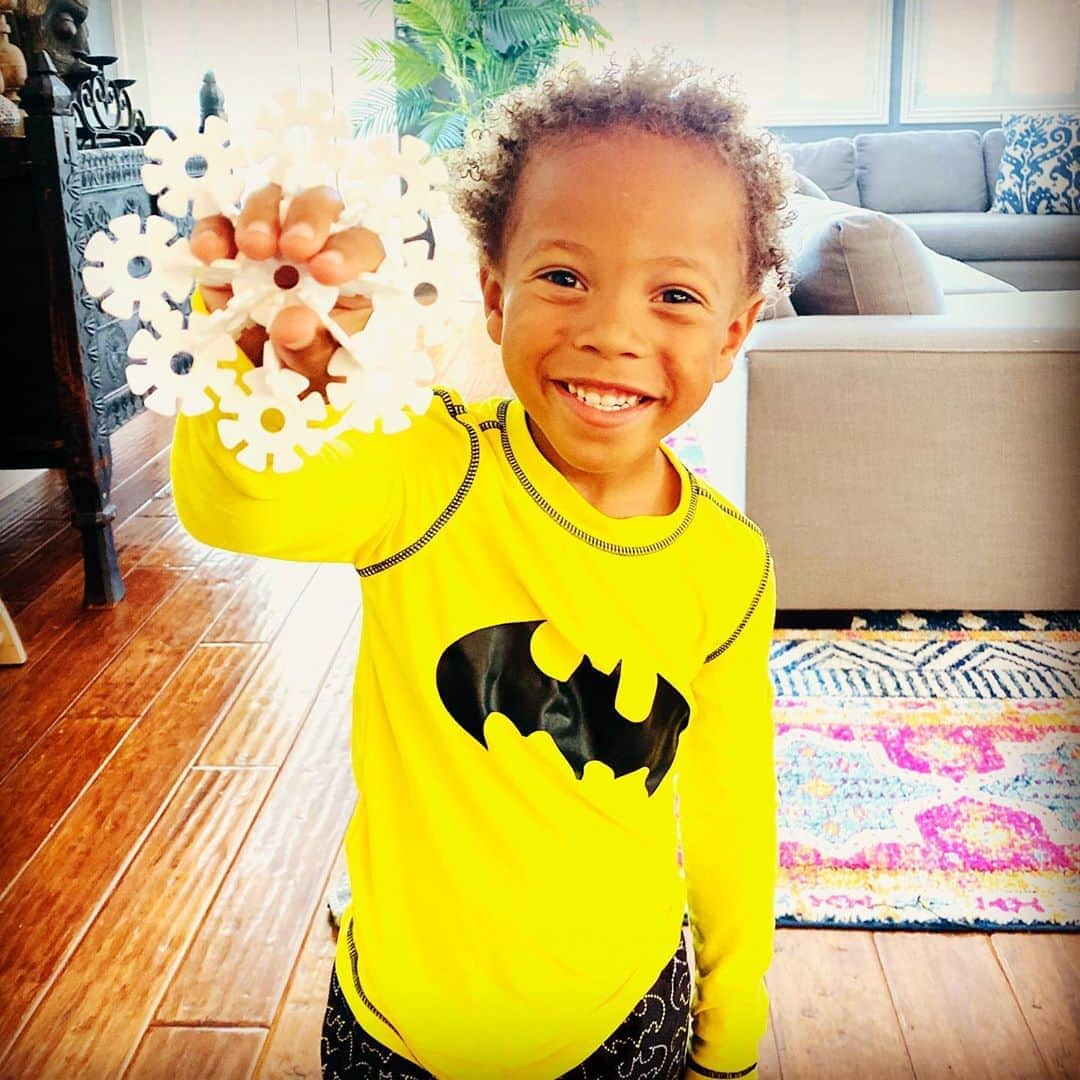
737,330
492,290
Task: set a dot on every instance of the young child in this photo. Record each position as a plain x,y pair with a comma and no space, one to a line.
563,626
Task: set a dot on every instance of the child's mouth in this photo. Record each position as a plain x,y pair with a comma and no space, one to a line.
598,414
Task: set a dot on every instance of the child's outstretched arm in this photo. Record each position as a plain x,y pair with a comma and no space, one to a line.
728,816
344,496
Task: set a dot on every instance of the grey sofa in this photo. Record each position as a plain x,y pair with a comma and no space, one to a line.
910,439
941,184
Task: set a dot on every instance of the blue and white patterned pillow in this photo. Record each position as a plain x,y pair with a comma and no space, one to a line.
1040,165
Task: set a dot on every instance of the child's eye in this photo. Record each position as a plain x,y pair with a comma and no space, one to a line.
679,296
560,277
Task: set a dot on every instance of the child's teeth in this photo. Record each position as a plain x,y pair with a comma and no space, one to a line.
607,402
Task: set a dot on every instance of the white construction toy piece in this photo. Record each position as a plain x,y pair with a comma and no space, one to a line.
139,267
381,375
166,388
201,170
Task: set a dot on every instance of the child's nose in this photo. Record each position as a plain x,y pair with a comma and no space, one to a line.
610,325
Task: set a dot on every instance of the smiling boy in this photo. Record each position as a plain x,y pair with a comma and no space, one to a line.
564,628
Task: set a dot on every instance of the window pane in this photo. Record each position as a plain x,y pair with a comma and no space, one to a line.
1045,45
799,61
975,59
959,48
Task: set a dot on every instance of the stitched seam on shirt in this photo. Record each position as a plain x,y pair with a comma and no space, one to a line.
459,496
720,1075
762,582
569,526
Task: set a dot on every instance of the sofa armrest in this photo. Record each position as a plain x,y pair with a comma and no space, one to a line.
918,461
979,328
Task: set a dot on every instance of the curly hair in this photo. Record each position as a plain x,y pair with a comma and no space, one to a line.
660,95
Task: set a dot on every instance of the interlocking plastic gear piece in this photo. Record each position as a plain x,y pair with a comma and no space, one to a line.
171,390
200,168
139,267
271,419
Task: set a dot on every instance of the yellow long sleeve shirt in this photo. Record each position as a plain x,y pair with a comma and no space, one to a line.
535,681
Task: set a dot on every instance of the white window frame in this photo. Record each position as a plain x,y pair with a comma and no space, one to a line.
990,107
791,112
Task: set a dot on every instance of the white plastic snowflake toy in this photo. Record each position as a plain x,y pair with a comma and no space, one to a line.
171,389
271,419
202,170
139,266
379,375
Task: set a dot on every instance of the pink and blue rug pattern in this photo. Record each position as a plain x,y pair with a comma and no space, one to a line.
928,766
928,778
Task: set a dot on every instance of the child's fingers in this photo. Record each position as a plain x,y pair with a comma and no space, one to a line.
216,298
258,227
347,254
304,344
308,221
212,238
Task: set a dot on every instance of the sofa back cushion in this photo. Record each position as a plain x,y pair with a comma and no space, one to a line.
913,171
849,261
830,163
993,143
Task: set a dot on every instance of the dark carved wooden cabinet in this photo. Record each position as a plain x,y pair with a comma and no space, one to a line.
63,357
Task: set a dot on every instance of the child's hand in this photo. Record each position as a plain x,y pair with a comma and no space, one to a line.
299,338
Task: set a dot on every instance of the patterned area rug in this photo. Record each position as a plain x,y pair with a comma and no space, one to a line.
929,769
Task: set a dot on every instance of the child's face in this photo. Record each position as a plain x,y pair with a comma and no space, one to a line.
623,265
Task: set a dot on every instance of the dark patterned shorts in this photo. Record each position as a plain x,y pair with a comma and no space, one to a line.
650,1044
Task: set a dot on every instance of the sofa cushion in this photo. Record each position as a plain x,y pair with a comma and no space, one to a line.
849,261
993,142
998,236
805,186
913,171
830,163
777,306
1040,165
956,277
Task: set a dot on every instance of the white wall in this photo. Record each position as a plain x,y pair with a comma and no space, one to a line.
256,48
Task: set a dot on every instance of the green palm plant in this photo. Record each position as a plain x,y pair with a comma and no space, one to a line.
450,58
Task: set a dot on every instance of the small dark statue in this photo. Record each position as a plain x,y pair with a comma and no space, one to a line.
58,27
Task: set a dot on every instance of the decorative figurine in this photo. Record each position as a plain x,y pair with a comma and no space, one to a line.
211,101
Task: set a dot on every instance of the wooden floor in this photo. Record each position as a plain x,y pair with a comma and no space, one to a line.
174,788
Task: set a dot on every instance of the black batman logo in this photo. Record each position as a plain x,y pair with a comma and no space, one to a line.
492,670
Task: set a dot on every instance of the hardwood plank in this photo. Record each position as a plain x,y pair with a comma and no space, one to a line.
830,1008
58,547
195,1053
23,535
43,621
160,506
141,438
146,663
956,1008
24,513
263,723
46,496
32,575
178,548
39,791
36,697
292,1047
768,1052
264,600
60,890
229,976
90,1020
1044,971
